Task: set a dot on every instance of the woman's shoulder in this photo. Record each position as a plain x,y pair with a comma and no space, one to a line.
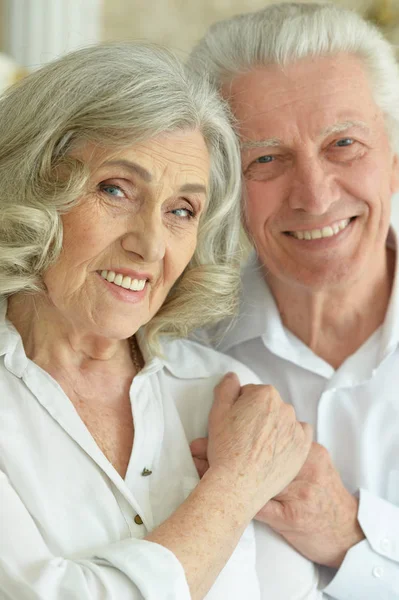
192,371
188,359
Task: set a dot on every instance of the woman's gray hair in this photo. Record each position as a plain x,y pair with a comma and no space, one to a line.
285,33
114,95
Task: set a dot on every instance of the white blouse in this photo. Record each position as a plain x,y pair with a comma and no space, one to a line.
72,529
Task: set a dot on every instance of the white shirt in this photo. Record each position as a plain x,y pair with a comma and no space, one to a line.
67,519
355,413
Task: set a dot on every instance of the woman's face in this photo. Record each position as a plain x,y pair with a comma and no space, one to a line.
132,235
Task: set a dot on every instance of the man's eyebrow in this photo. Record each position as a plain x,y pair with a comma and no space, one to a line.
132,167
267,143
274,142
340,127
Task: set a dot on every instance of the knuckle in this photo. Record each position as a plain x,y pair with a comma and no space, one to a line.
287,412
290,410
306,494
321,452
265,396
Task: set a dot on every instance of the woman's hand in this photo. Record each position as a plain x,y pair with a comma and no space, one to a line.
255,448
255,442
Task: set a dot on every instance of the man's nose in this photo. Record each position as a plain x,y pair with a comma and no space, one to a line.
146,237
313,188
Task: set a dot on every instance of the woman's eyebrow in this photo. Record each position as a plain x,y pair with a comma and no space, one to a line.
136,169
193,188
133,167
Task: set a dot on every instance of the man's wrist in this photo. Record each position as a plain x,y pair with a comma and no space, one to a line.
354,536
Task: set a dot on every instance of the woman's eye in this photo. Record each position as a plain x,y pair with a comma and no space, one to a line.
183,213
112,190
265,159
345,142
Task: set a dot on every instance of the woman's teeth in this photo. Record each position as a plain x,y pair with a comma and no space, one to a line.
317,234
136,285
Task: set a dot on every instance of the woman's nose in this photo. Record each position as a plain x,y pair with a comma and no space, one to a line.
146,238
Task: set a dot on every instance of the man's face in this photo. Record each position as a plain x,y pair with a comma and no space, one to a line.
318,167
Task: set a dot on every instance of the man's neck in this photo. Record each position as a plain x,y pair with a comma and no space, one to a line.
335,322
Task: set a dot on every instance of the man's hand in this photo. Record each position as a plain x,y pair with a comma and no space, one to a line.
315,513
199,450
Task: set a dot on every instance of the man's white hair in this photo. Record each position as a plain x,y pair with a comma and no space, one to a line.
285,33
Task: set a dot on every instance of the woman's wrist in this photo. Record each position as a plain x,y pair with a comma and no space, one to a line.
232,490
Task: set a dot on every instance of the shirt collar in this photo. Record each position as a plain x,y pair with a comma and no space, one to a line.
11,346
186,359
258,315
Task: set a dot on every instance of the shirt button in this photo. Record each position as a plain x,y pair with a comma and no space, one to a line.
138,520
378,571
385,545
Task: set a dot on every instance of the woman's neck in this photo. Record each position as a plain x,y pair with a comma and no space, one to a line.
50,338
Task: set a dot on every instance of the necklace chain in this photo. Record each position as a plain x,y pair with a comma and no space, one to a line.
135,353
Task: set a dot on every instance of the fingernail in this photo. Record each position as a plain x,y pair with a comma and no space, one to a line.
229,375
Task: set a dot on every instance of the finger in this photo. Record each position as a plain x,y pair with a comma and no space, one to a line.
272,514
308,433
199,448
201,465
226,394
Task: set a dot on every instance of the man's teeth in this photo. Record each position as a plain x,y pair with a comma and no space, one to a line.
317,234
136,285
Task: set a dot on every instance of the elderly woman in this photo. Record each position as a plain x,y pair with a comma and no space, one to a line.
118,233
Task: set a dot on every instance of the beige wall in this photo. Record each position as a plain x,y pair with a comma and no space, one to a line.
180,23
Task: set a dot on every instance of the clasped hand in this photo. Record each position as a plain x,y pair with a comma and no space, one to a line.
254,435
255,442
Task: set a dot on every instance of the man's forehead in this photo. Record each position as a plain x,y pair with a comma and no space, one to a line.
321,95
308,80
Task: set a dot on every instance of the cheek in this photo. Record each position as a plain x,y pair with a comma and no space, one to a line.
178,254
183,252
258,207
370,177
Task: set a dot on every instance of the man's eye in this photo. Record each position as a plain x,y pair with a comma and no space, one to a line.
345,142
265,159
112,190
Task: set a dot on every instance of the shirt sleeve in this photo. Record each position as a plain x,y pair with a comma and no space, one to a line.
371,568
132,569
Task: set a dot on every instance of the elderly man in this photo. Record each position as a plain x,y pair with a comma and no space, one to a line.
315,92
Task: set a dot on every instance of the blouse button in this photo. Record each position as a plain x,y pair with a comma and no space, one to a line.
138,520
378,572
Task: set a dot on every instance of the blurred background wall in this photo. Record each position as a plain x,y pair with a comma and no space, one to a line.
35,31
